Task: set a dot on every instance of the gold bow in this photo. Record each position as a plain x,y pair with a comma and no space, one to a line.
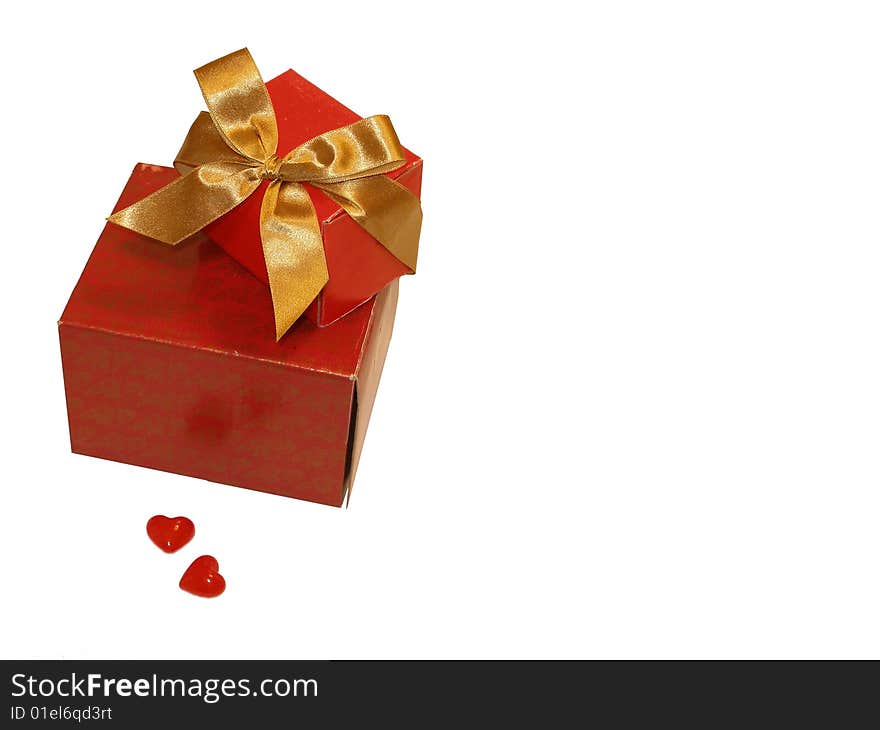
232,149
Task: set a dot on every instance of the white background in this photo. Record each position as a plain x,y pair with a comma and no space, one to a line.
631,407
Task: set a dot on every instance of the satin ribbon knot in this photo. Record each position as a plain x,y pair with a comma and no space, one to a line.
271,169
232,149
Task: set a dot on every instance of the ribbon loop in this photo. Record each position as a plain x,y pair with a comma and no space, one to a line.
239,104
231,150
367,147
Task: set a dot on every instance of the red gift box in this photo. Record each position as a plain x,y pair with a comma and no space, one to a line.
170,362
358,265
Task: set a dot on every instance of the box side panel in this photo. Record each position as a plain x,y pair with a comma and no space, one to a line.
370,372
205,414
359,265
238,233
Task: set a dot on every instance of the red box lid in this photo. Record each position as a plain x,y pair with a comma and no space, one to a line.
190,295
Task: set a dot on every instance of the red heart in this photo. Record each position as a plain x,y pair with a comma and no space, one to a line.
170,533
202,579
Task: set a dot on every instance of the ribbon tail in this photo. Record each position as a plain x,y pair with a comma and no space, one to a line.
294,251
383,208
187,205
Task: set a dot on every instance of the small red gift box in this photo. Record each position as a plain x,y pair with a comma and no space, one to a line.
358,265
170,362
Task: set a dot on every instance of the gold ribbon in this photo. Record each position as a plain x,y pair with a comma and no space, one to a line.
232,149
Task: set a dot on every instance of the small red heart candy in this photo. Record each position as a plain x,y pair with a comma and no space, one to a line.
202,579
170,533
